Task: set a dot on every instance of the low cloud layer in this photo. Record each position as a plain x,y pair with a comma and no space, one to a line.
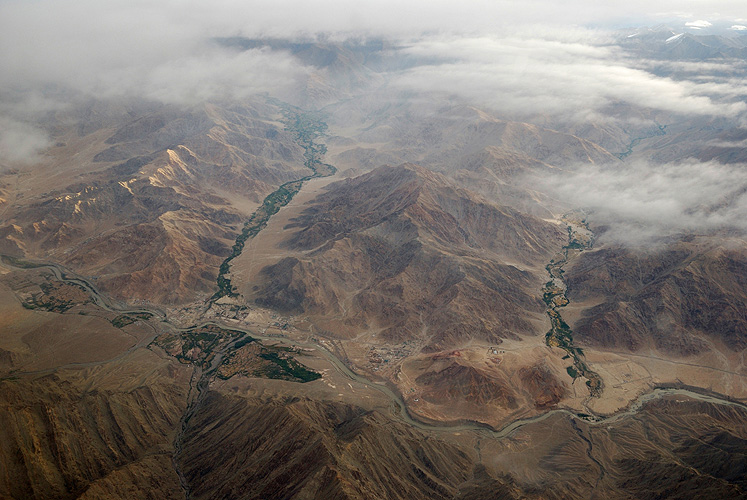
117,45
527,59
20,142
577,79
700,23
104,51
641,203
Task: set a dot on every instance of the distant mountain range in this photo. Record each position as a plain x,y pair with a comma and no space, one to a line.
686,43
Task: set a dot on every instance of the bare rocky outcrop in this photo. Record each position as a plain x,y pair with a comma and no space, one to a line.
412,253
673,299
61,443
543,385
457,383
308,449
300,448
162,196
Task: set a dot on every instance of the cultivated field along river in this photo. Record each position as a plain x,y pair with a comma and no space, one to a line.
203,376
580,238
308,128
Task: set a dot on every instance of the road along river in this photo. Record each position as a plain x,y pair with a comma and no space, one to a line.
203,378
404,415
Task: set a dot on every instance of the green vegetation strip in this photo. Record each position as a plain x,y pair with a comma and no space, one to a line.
308,128
205,339
20,263
560,334
127,319
48,300
660,130
285,368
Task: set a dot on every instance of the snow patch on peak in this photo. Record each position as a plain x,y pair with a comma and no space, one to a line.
698,24
673,38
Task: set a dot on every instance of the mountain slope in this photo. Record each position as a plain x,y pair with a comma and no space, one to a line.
678,300
404,251
150,205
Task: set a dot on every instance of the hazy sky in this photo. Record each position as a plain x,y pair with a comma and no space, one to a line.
376,16
102,46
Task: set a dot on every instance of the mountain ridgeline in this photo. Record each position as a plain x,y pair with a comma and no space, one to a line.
196,304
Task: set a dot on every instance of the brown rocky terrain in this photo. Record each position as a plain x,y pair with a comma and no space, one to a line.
678,300
102,424
389,336
277,442
302,448
404,251
464,384
545,388
62,442
149,202
312,449
495,157
491,385
84,412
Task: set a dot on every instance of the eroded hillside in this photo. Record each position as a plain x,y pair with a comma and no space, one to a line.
195,304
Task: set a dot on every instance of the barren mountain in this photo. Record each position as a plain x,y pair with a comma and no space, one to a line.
89,445
337,69
91,427
404,251
339,451
150,204
678,300
473,146
433,330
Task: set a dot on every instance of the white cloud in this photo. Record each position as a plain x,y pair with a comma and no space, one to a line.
531,58
207,74
108,49
20,142
559,77
641,203
739,27
727,144
698,68
698,24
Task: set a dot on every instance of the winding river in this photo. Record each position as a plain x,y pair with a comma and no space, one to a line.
203,378
308,129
